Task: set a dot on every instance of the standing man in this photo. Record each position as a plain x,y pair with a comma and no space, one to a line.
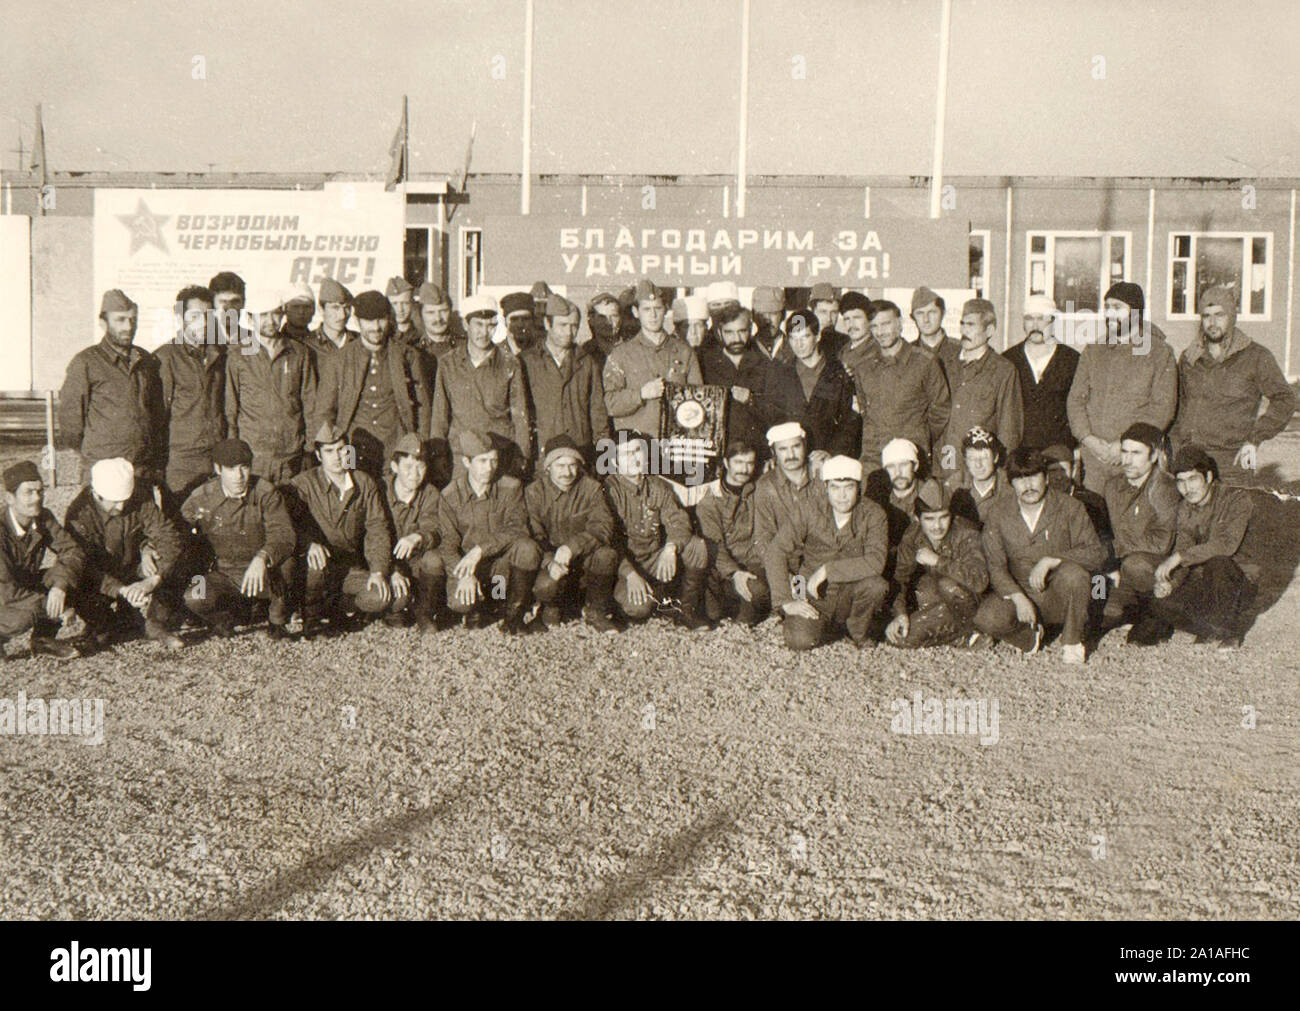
249,540
332,336
415,508
193,372
228,294
1130,377
1045,370
480,389
836,546
1041,550
485,539
902,393
791,483
741,370
769,314
858,349
604,326
401,296
570,520
339,514
268,396
824,301
1223,383
737,581
636,370
691,320
111,405
984,388
720,296
299,308
376,389
436,337
32,597
928,308
812,389
565,390
517,307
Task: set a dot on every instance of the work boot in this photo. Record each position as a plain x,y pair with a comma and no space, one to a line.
276,633
165,637
399,619
551,615
518,589
600,602
427,604
44,643
693,618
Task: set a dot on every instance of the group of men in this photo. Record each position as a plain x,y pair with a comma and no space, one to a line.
429,468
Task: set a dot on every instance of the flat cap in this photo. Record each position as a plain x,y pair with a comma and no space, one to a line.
410,445
20,473
768,299
115,300
517,301
822,292
332,291
232,453
474,444
601,298
371,305
397,286
431,294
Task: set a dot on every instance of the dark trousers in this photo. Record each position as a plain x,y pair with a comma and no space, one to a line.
1213,600
600,563
494,573
723,601
1064,602
944,612
426,573
215,595
841,605
685,584
1137,572
25,609
342,584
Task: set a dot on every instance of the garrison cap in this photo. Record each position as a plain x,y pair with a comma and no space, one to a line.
397,286
332,291
558,305
410,445
474,444
932,496
924,296
328,434
431,294
646,289
115,300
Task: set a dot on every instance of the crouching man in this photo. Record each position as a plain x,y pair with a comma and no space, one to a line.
655,531
248,540
1202,587
416,511
1041,550
737,580
340,518
570,519
485,539
32,597
132,552
842,541
940,574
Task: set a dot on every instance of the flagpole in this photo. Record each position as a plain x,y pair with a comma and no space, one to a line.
744,109
406,145
941,109
526,181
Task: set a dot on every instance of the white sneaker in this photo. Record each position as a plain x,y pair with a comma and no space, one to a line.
1073,653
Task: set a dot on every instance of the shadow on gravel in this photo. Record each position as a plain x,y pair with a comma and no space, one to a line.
673,855
1273,545
316,871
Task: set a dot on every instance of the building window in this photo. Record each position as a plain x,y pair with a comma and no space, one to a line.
1241,261
978,280
471,261
1076,268
418,255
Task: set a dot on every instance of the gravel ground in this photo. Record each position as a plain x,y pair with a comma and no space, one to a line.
656,775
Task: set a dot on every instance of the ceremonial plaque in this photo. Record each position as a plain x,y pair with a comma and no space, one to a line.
692,425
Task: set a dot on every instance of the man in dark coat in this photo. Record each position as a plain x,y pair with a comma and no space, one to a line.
813,389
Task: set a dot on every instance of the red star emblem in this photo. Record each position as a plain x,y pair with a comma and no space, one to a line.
145,227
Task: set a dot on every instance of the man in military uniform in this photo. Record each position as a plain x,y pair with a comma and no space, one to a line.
859,348
566,395
193,372
654,532
111,405
835,546
32,597
340,518
521,326
824,302
982,480
480,388
133,555
893,487
269,394
437,336
927,313
401,297
332,336
737,579
248,539
570,520
485,538
415,507
377,389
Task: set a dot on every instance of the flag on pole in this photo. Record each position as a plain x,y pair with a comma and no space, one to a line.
398,167
469,153
38,157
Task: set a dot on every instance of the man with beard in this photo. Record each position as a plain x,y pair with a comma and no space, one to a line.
927,313
824,301
480,388
299,308
565,391
604,327
1142,505
812,389
111,404
269,395
486,547
836,546
192,368
1224,380
415,508
436,337
1202,587
737,583
248,539
721,296
1041,550
791,483
741,370
32,597
984,389
332,336
401,296
376,389
636,370
769,313
1045,370
858,350
517,307
940,572
983,481
902,393
691,320
228,294
893,488
571,521
1130,376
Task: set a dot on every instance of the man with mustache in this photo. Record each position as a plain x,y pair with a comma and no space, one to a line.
1045,370
984,388
739,368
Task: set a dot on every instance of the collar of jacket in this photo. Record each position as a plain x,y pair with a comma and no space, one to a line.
132,356
744,491
644,338
1236,342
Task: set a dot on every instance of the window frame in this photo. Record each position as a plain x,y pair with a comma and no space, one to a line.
462,281
1048,257
1247,245
986,236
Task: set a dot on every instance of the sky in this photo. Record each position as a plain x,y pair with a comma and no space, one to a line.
1036,87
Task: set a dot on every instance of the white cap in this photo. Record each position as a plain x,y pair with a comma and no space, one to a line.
842,468
1039,305
785,430
477,303
696,307
113,479
722,291
897,450
299,293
